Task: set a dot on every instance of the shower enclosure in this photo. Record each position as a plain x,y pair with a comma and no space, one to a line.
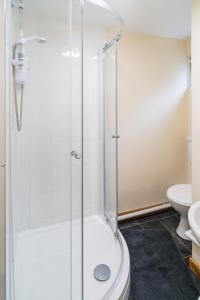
61,166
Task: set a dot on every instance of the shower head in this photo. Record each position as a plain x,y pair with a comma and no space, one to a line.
24,40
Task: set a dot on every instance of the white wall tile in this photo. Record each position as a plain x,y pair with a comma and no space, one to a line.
41,161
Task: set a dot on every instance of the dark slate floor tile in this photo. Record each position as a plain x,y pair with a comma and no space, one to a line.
182,249
196,280
158,216
186,260
166,221
173,211
153,225
127,224
152,248
194,277
188,244
136,227
171,223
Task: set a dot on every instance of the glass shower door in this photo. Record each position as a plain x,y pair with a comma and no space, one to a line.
110,134
76,102
45,179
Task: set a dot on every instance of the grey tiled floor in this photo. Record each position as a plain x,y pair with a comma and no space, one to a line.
167,220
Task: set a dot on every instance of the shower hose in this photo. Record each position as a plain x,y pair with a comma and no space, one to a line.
18,110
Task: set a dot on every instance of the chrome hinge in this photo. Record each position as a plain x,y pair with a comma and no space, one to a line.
17,4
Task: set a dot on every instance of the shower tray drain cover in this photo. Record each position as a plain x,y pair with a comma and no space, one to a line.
102,272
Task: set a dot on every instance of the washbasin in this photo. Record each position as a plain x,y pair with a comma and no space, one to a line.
194,220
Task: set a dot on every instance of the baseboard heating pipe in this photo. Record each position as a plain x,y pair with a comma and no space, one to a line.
144,212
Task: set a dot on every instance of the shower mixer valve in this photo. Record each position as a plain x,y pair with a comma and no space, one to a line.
20,63
20,60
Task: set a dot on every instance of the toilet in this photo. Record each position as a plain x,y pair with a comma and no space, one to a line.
180,198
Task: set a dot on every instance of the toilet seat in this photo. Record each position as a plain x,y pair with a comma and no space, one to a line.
181,194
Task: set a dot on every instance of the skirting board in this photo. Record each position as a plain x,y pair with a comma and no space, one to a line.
194,266
142,212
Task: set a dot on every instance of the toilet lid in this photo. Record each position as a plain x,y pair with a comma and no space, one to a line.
181,193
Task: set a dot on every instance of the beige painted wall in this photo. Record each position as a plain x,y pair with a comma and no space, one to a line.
153,121
2,115
196,108
189,108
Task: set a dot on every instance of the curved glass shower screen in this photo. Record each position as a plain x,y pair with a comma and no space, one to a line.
110,134
100,29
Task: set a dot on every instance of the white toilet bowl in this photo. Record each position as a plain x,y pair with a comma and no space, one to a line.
180,198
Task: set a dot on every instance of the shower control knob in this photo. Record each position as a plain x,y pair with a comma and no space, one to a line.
76,154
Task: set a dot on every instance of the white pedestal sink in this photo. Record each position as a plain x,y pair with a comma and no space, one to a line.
194,220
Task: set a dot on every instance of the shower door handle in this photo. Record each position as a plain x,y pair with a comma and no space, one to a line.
76,154
115,136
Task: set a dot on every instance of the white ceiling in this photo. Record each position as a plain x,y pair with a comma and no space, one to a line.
169,18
